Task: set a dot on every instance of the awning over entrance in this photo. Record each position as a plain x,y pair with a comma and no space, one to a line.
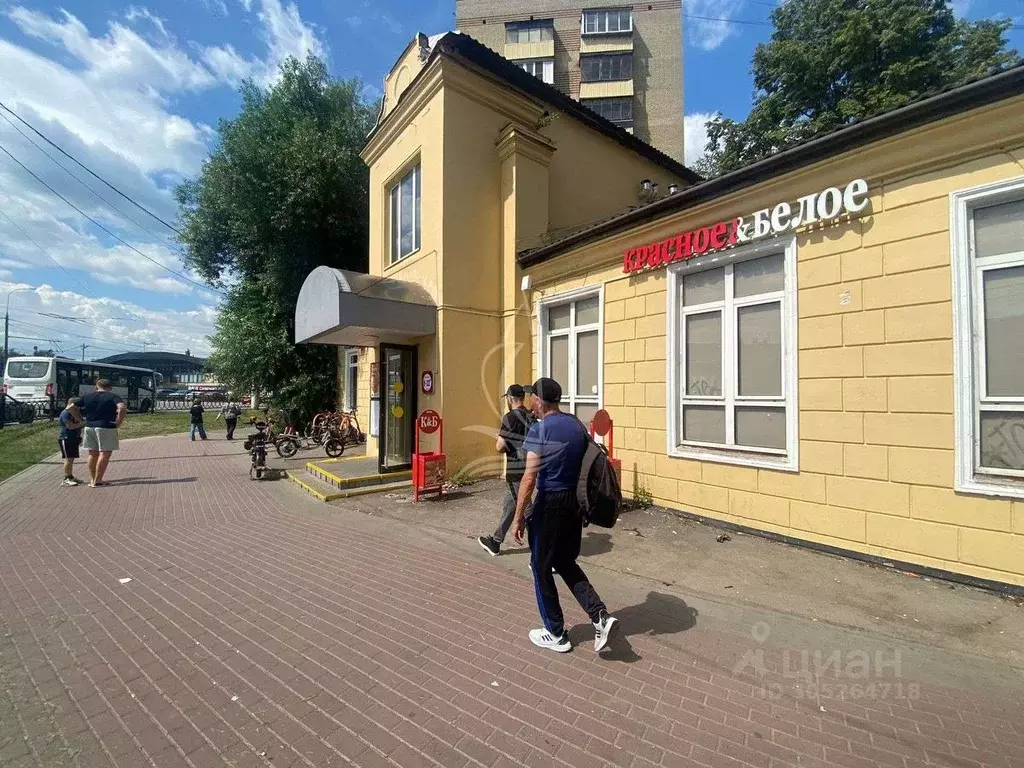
345,308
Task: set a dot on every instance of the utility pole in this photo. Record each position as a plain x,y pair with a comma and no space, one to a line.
84,347
7,318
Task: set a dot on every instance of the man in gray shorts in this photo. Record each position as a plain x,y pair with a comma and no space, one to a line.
103,412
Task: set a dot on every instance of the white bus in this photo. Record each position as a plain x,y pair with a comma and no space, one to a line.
55,379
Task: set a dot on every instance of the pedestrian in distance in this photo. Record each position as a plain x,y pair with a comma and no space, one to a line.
70,439
514,425
195,414
555,446
104,414
230,414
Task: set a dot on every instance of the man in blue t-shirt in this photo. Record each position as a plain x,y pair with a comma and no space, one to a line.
555,446
70,437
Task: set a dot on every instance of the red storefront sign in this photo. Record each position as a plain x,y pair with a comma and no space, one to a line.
826,205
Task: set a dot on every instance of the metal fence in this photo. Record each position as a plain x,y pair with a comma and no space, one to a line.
178,404
17,412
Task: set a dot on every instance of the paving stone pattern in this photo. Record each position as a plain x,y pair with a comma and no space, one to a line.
260,628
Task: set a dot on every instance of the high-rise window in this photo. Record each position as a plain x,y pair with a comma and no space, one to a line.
618,110
542,69
988,307
405,215
612,66
536,31
600,21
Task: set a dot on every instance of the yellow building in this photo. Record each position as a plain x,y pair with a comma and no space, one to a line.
827,345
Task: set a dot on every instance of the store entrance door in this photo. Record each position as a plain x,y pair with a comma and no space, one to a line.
398,414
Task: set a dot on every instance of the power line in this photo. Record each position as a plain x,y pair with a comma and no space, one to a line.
87,169
728,20
44,251
96,194
63,332
103,228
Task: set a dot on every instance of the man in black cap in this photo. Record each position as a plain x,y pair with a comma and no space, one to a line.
554,448
514,425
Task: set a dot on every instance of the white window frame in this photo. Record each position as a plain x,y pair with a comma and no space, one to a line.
605,11
529,66
528,26
787,460
352,380
395,213
969,341
544,335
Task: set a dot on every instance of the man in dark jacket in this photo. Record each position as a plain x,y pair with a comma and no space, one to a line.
511,434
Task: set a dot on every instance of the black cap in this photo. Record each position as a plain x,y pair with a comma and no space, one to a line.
548,390
516,391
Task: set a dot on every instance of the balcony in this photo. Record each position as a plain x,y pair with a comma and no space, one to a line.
605,90
544,49
620,43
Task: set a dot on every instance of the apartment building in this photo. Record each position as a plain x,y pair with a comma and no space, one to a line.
623,61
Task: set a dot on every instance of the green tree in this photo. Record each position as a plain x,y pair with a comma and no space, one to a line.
830,62
283,192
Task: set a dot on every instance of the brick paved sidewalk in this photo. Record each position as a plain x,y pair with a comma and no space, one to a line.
259,628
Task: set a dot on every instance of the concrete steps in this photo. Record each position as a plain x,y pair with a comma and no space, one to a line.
330,481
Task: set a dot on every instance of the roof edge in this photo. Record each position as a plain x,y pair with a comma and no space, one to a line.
978,93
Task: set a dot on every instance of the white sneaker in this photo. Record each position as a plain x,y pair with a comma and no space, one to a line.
70,482
544,639
603,631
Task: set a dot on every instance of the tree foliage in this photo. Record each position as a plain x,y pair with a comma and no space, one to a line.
284,192
830,62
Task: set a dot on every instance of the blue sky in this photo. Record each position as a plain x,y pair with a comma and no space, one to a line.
134,90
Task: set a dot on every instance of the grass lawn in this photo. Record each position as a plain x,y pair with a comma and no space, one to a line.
22,445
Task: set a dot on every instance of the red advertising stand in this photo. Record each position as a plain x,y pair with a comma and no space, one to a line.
428,469
602,426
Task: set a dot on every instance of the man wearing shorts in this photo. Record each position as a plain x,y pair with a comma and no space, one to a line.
103,411
70,436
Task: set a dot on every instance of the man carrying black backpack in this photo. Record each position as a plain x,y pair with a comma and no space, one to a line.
514,426
556,447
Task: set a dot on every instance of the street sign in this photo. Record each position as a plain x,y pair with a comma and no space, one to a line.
430,422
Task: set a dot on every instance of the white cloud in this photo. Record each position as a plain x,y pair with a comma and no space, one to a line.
286,34
716,26
354,21
695,136
961,8
105,324
106,96
216,7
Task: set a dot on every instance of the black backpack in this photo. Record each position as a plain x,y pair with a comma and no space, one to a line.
527,419
598,492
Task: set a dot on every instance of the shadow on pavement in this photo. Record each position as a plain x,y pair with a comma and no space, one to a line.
659,614
595,544
150,480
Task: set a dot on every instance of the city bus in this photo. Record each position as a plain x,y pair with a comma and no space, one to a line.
53,380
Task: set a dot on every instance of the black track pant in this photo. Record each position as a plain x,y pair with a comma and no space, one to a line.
555,532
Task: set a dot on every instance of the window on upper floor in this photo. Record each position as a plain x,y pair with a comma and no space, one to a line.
618,110
535,31
603,21
987,246
542,69
608,66
404,212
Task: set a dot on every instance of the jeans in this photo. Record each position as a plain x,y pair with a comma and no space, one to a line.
231,424
193,428
556,532
508,510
